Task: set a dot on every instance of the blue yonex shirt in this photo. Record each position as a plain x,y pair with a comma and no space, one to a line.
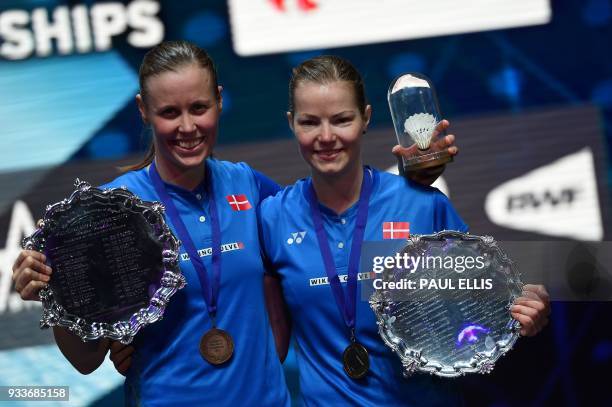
167,369
291,246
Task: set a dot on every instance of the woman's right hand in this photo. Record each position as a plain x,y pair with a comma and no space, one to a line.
427,176
121,355
30,274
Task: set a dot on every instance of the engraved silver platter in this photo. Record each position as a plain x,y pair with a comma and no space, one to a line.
441,325
114,260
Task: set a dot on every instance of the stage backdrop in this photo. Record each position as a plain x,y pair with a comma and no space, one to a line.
527,86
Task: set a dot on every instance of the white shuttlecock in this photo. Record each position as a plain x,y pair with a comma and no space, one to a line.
420,127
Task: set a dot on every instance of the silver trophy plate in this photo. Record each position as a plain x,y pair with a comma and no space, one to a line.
114,260
442,317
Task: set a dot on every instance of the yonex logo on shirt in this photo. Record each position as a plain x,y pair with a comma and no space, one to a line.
238,202
343,278
228,247
296,237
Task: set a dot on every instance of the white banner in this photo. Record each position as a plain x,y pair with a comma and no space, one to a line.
558,199
270,26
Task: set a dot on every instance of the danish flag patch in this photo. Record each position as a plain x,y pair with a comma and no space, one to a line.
238,202
396,230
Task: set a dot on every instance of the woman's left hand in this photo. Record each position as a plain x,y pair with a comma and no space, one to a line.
427,176
532,309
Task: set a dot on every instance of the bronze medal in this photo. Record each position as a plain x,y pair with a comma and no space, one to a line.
355,360
216,346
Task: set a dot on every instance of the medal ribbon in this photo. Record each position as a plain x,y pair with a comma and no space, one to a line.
210,292
346,304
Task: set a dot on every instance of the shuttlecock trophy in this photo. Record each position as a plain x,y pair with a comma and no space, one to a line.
415,112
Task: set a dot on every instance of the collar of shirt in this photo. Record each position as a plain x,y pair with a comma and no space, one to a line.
351,212
199,192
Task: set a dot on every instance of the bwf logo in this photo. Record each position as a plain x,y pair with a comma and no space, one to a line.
546,198
304,5
556,199
296,237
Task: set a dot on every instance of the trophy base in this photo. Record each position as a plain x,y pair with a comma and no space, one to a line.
427,161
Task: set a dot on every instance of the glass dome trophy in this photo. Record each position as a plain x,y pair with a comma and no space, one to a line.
415,113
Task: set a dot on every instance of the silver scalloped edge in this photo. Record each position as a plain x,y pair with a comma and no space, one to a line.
172,280
412,359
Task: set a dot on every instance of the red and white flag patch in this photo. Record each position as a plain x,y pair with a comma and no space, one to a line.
238,202
396,230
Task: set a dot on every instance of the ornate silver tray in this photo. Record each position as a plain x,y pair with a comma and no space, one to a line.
114,260
449,327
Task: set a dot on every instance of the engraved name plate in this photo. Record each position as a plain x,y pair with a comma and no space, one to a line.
114,260
445,310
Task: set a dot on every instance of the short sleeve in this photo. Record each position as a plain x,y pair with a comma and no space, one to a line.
445,215
266,186
264,219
